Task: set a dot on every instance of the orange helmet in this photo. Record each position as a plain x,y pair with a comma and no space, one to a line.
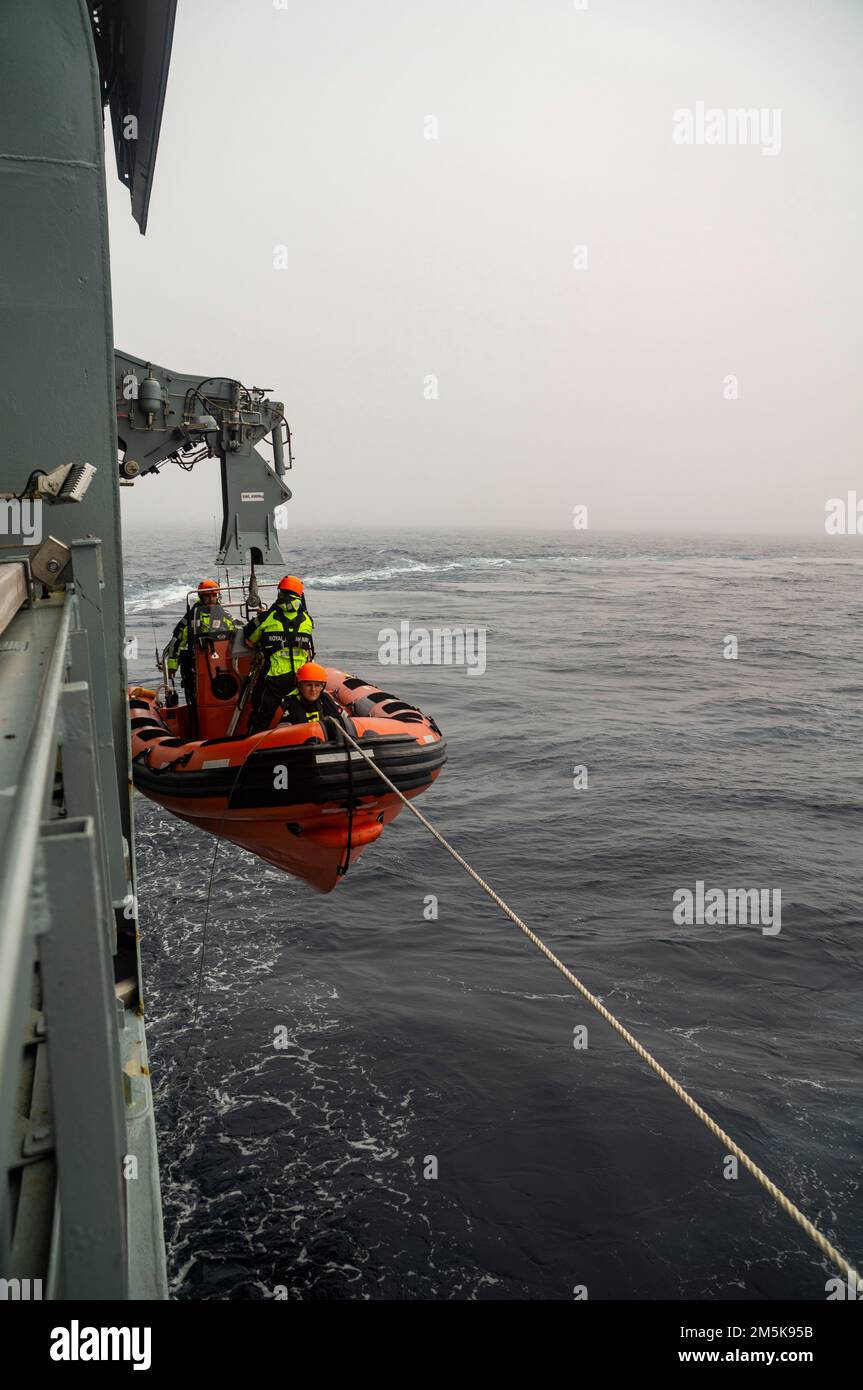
290,584
207,584
312,672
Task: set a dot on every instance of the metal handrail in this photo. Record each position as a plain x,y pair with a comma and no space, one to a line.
18,852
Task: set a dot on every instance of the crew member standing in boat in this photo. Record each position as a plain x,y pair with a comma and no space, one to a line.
205,621
311,703
283,636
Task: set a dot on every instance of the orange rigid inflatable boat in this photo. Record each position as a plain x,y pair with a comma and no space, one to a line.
296,795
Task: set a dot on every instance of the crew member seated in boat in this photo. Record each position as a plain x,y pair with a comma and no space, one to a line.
283,636
311,703
205,621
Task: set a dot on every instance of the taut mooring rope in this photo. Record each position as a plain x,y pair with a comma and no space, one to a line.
716,1130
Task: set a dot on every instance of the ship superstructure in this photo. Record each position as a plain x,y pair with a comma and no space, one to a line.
80,1209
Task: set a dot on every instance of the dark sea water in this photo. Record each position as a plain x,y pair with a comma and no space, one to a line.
304,1167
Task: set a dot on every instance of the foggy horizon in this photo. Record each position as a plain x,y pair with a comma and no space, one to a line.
131,524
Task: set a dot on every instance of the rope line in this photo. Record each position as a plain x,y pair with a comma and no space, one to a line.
716,1130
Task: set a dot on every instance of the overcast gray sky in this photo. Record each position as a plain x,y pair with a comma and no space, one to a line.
455,257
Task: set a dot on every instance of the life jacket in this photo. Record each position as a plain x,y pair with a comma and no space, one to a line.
284,636
201,622
298,712
210,622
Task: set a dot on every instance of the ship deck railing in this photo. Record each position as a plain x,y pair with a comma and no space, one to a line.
80,1208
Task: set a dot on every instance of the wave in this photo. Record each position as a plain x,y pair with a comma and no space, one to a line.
170,595
153,600
407,567
402,566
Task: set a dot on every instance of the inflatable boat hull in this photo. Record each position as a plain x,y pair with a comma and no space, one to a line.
296,795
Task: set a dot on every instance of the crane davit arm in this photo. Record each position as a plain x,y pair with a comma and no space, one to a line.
171,417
